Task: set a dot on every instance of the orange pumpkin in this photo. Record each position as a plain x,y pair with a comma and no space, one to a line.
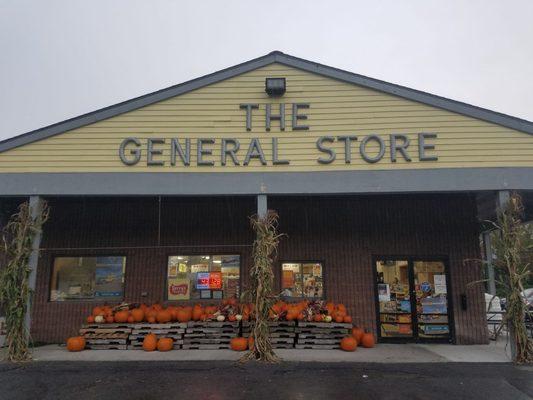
137,314
330,307
151,319
76,343
90,319
341,308
358,333
349,343
150,342
339,318
368,340
300,316
97,311
239,344
318,318
122,316
290,316
157,307
163,316
184,315
232,318
165,344
109,319
348,319
197,312
130,320
232,301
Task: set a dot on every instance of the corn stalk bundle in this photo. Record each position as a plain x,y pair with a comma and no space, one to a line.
17,237
261,282
512,247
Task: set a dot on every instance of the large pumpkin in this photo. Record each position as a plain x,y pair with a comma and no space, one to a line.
349,343
368,340
150,342
76,343
358,333
197,312
163,316
97,311
122,316
239,344
137,314
184,314
165,344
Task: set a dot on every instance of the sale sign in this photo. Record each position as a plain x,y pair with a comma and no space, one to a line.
202,280
215,280
178,289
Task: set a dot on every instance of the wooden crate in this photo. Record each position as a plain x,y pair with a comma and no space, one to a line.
106,346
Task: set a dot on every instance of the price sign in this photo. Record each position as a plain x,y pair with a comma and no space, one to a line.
202,280
215,280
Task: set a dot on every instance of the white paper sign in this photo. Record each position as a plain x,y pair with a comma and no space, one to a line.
440,284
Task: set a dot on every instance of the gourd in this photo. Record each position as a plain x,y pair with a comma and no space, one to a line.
368,340
121,316
221,318
90,319
327,318
318,318
349,343
358,333
150,342
137,314
239,344
165,344
76,343
99,319
163,316
238,317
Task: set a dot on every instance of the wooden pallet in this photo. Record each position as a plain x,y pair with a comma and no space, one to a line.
158,331
106,326
211,335
324,325
214,331
320,331
139,346
90,342
331,341
150,327
141,336
213,324
337,336
140,342
282,346
206,341
84,331
106,346
205,346
282,341
316,346
91,336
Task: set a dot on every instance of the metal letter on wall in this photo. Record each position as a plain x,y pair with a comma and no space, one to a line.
136,152
423,146
347,147
399,147
299,117
362,148
255,151
184,155
230,150
249,107
320,146
201,152
280,117
151,152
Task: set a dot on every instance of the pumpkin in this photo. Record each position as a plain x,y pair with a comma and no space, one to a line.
339,318
232,301
238,317
330,307
197,312
76,343
232,318
318,318
341,308
137,314
165,344
151,319
109,319
290,316
150,342
300,316
184,315
251,342
221,318
157,307
97,311
163,316
348,319
239,344
368,340
90,319
349,343
130,320
99,319
122,316
358,333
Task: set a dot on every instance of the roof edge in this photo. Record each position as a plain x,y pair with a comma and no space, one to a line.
270,58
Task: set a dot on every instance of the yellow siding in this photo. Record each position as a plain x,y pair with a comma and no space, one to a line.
337,108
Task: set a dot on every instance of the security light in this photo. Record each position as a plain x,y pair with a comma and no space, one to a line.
275,86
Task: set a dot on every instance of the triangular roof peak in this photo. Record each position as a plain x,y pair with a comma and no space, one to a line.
272,57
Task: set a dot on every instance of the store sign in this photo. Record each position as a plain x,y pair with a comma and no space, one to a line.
372,148
178,289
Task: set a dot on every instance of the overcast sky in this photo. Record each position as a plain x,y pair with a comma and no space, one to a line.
60,59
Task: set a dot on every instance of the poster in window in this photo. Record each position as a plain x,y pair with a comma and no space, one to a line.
108,277
383,292
215,280
440,284
202,280
287,279
179,289
231,288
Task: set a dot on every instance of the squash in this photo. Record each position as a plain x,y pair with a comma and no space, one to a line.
122,316
76,343
349,343
184,315
165,344
137,314
238,317
221,318
328,318
99,319
97,311
130,320
90,319
109,319
368,340
163,316
347,319
197,312
358,333
239,344
150,342
339,318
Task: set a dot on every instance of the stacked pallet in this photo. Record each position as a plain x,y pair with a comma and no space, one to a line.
282,333
320,335
174,330
106,337
207,335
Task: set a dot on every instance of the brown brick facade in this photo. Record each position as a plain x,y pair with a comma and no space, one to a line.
344,232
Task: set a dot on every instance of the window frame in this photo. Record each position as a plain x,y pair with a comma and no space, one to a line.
196,254
299,261
84,255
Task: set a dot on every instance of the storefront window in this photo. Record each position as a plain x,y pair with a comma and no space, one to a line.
302,280
203,277
88,278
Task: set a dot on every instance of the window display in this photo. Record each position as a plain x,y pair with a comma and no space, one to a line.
302,280
203,277
88,278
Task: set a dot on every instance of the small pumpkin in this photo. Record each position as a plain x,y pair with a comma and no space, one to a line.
121,316
150,342
349,343
137,314
90,319
165,344
97,311
130,320
339,318
109,319
76,343
163,316
318,318
347,319
184,315
151,319
368,340
99,319
232,318
358,333
197,312
239,344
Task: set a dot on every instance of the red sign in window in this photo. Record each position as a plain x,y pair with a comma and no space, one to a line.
215,280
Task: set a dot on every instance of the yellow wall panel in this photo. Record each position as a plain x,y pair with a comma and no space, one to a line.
336,108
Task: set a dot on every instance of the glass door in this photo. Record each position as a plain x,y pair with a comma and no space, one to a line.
412,300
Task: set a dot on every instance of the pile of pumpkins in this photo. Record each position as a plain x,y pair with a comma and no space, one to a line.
152,343
229,309
310,311
358,337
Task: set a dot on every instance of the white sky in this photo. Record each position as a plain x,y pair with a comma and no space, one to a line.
60,59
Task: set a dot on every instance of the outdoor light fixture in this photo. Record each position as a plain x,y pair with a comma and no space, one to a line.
275,86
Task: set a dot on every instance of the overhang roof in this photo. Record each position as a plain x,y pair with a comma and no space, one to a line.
273,57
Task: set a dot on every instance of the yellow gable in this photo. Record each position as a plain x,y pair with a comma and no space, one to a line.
213,116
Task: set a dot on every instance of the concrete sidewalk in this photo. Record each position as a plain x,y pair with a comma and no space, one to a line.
495,352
